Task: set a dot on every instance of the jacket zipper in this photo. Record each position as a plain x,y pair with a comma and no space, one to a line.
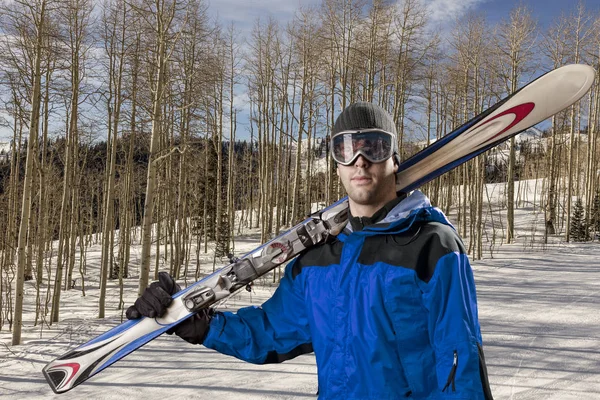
452,373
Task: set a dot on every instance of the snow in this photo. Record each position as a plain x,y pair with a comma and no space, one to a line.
537,308
538,312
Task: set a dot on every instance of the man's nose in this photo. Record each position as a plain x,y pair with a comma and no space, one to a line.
361,162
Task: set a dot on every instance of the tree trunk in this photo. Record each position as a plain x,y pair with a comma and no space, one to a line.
31,153
151,181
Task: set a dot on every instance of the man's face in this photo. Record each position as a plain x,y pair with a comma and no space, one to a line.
369,184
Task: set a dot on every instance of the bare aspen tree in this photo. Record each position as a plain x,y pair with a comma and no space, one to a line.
302,68
515,48
222,246
431,77
43,202
134,71
330,76
409,21
282,183
439,109
37,12
192,73
591,175
378,29
19,52
180,220
205,200
290,123
341,19
16,110
276,121
578,34
164,13
114,36
554,46
467,43
480,49
233,81
262,66
302,59
75,15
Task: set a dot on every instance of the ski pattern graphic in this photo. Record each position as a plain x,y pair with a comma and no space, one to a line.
542,98
530,105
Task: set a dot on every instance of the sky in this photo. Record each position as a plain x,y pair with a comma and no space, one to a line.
443,14
243,13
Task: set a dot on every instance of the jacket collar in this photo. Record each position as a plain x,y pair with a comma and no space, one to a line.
397,216
358,223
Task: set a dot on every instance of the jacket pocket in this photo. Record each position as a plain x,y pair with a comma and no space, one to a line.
452,374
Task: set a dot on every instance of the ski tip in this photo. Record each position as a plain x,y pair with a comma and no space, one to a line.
579,76
586,69
62,376
580,69
55,379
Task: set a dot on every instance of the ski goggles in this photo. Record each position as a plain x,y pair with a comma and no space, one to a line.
374,145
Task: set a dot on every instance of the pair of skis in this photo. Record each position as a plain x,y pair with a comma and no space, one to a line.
530,105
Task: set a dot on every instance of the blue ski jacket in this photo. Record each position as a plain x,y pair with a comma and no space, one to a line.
389,310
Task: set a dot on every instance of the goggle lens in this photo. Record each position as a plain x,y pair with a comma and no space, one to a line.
375,146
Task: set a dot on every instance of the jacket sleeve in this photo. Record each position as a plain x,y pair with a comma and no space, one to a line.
275,332
453,323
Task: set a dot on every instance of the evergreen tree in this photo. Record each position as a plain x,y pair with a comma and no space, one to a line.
578,227
223,240
595,217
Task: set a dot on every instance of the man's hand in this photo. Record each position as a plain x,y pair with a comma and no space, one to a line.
155,299
154,303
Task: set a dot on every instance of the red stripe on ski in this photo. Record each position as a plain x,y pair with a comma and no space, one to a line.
520,112
74,369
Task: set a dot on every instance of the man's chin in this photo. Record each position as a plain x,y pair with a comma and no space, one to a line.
362,197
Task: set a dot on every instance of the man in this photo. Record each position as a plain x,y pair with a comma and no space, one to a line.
388,306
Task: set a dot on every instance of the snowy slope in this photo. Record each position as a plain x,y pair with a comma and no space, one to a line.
538,312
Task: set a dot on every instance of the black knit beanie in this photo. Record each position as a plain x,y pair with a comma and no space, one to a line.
364,115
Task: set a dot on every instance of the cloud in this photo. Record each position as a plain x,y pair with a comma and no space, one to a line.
243,12
449,10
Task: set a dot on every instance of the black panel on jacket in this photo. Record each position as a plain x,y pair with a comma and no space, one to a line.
419,248
273,357
323,255
485,383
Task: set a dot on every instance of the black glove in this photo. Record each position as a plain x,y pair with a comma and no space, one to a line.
194,329
154,302
155,299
